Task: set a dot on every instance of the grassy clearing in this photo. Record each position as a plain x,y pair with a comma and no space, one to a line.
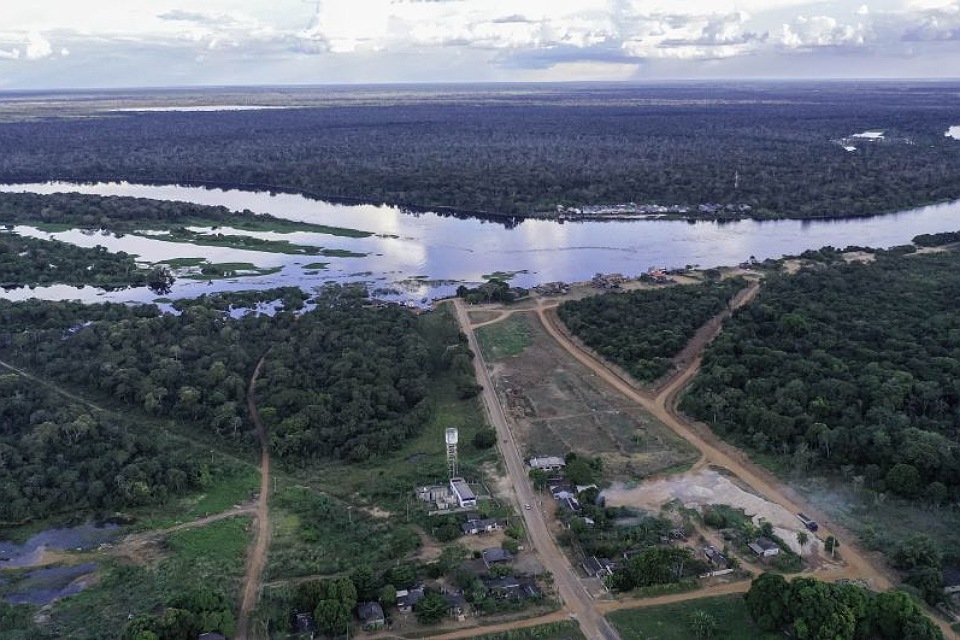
550,631
219,270
180,263
259,223
672,621
217,549
503,275
504,339
316,534
882,522
212,555
234,242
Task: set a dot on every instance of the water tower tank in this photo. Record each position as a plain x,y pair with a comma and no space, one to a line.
452,436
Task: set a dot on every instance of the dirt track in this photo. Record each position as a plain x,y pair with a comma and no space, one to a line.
663,406
575,598
258,555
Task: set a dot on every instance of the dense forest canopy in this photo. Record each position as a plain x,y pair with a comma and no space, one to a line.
123,213
642,330
60,457
344,380
32,261
775,147
852,367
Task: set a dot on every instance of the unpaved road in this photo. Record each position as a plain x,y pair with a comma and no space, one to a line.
575,598
663,406
257,558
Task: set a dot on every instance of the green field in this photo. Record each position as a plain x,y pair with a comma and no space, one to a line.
673,621
549,631
504,339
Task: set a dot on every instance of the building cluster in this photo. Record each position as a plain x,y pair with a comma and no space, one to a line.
457,494
634,209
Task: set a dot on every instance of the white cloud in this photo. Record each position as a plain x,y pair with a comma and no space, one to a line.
218,40
822,31
37,46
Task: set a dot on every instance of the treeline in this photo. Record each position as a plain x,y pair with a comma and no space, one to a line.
936,239
807,608
642,330
31,261
58,456
124,214
846,367
768,146
344,380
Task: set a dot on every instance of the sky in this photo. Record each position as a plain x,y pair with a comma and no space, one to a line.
63,44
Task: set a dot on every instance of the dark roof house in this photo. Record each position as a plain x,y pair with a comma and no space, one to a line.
371,615
406,599
495,555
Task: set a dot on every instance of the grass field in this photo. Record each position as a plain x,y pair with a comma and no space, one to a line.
672,621
549,631
212,555
560,406
506,338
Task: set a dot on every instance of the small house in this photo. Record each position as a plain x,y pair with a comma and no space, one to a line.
371,615
596,567
305,625
456,605
716,558
407,598
951,580
474,527
764,547
495,555
547,463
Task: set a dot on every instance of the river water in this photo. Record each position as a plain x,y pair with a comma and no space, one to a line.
413,257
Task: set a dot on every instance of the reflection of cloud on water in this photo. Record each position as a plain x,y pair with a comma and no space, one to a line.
562,249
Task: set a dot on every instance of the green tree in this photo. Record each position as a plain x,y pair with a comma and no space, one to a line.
431,608
485,438
767,601
702,624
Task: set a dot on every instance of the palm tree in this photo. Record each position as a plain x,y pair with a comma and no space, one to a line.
803,538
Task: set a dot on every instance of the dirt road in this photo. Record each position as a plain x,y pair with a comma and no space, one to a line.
663,406
257,558
575,598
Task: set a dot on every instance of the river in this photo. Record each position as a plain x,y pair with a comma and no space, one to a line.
413,257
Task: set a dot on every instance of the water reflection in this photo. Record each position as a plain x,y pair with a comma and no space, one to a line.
446,248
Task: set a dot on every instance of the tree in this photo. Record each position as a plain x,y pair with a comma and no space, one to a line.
767,601
485,438
917,552
802,539
431,608
539,478
831,544
702,624
388,595
160,280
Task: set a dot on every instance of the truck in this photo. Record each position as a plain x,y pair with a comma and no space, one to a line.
808,522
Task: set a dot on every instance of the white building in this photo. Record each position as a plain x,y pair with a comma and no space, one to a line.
465,496
547,463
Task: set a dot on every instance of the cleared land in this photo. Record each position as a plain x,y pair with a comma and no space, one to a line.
673,621
558,405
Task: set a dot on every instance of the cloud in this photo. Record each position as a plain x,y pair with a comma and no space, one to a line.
934,25
822,31
213,20
38,47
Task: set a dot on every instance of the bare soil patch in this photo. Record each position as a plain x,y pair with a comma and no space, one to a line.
558,405
707,487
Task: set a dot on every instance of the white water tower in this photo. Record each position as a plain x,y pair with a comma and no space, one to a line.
452,437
